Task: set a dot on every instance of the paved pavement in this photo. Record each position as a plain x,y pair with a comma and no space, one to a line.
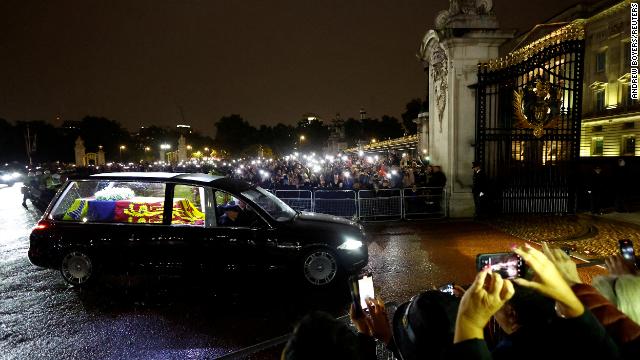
628,217
141,318
589,236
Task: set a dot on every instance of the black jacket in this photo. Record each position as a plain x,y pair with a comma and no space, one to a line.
579,338
479,182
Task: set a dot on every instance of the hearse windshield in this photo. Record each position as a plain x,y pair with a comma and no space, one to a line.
276,208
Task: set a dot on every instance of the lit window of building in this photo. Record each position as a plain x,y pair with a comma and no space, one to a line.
628,145
600,100
601,61
597,146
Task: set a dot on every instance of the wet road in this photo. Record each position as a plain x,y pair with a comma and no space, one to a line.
183,318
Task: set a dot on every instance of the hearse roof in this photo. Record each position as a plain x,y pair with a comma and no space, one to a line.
220,182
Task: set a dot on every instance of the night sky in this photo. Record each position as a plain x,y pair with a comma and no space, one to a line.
138,61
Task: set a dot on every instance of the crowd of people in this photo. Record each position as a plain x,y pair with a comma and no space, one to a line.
300,171
551,314
345,172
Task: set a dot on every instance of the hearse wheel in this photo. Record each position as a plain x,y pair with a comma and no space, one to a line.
320,267
77,268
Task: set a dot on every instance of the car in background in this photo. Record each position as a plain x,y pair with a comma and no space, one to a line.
9,177
180,223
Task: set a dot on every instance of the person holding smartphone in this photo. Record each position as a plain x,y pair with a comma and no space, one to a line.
422,328
616,316
574,332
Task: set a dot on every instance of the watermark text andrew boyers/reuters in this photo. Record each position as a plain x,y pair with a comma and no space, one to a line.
634,50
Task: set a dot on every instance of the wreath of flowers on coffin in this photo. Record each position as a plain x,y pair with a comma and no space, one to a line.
114,194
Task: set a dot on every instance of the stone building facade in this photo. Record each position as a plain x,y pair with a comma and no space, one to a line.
611,119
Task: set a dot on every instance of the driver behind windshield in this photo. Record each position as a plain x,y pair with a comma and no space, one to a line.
231,216
236,214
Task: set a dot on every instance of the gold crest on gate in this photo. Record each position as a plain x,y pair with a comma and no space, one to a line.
538,107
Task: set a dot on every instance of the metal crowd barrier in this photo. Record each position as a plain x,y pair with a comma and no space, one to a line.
301,200
343,203
369,205
383,204
424,202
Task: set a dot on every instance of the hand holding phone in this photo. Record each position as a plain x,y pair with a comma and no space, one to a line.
508,265
626,250
365,285
361,289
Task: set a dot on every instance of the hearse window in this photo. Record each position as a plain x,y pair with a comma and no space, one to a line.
275,207
188,205
108,201
233,212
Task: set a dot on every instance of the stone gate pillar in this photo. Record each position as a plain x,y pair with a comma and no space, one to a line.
100,157
465,35
182,149
423,134
79,151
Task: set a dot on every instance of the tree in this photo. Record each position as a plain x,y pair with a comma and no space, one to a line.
312,136
388,127
47,142
100,131
282,139
412,110
11,143
234,134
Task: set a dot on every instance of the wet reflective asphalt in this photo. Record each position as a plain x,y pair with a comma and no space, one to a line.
139,317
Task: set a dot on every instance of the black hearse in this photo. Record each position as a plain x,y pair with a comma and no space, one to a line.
188,222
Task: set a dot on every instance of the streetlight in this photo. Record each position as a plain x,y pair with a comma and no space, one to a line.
189,147
302,138
206,149
122,148
146,148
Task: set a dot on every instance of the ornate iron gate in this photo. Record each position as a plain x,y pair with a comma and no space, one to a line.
528,124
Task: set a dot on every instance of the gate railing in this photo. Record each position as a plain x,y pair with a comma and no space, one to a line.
383,204
342,203
370,205
301,200
424,201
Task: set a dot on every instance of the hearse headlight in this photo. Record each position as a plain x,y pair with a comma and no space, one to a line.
350,244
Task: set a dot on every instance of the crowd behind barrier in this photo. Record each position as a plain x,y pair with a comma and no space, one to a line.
368,205
354,186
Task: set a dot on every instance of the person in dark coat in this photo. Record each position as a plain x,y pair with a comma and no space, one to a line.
231,216
319,336
479,190
595,189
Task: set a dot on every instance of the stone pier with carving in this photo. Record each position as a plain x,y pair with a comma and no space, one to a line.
466,34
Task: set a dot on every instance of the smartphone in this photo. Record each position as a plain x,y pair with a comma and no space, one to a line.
365,287
626,249
447,288
361,289
508,265
355,295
